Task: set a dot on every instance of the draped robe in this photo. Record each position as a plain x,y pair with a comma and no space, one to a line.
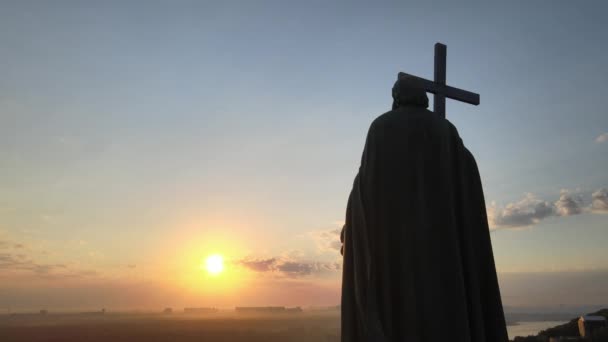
418,262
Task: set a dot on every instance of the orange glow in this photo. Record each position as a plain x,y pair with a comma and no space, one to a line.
202,261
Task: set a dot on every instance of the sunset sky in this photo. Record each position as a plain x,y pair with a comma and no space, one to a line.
138,138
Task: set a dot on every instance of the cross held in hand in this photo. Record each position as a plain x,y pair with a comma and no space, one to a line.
438,86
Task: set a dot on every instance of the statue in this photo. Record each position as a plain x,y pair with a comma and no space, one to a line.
418,261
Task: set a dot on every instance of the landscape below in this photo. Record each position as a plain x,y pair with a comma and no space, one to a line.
221,326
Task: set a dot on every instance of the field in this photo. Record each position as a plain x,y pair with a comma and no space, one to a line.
228,327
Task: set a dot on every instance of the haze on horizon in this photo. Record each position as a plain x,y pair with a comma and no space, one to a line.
137,141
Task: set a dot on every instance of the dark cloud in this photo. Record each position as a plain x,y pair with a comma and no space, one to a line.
599,200
259,265
287,267
21,263
8,244
295,269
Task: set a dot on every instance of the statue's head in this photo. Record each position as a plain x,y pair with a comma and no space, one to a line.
408,91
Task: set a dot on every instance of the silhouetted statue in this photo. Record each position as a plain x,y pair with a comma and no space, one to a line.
418,263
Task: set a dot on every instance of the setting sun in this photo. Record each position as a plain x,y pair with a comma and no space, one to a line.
214,264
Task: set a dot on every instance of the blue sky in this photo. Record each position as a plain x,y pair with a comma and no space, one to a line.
127,125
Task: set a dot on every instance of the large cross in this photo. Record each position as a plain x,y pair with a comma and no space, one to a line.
438,86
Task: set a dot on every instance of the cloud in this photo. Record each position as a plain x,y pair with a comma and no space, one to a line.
21,263
602,138
599,201
327,240
568,204
10,261
525,212
295,269
530,210
259,265
9,244
284,267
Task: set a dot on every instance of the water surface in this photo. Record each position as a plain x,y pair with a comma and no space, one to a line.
530,328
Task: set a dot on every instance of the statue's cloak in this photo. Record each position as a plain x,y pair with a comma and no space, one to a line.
418,263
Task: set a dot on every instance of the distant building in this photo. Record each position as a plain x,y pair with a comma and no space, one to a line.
267,309
200,310
94,313
588,324
260,309
168,311
325,308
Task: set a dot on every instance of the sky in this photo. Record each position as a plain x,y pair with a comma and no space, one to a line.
138,138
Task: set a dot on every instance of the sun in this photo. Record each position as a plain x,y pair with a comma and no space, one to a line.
214,264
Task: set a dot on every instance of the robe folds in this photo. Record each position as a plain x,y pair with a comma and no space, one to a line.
418,262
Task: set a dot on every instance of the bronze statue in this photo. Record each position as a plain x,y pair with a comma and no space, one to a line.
418,262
